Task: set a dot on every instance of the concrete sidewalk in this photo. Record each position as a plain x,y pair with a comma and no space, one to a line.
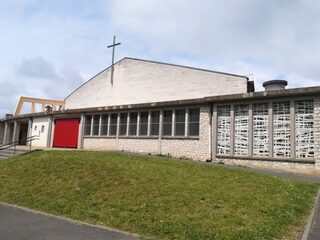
22,224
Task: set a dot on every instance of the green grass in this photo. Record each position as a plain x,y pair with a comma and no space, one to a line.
157,197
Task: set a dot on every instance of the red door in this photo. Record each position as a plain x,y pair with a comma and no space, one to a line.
66,133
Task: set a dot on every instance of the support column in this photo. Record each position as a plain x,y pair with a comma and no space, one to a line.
292,130
33,107
81,131
49,132
108,131
250,131
186,129
138,125
232,127
128,124
160,131
149,124
53,125
15,128
6,133
214,132
29,132
173,126
270,130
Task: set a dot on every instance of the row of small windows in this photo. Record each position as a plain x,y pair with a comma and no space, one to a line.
261,124
178,122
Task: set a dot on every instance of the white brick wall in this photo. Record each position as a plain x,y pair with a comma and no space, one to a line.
137,81
317,132
268,164
37,124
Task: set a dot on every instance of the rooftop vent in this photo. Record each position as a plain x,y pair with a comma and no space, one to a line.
275,85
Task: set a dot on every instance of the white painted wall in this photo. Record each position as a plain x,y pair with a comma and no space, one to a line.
36,130
138,81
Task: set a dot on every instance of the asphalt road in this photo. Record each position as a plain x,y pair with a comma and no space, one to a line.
20,224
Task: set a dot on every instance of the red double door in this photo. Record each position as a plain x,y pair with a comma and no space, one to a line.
66,133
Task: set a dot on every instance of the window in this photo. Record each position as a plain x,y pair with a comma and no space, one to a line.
304,129
133,123
167,123
260,129
143,131
155,122
95,127
42,128
180,122
281,129
113,124
194,119
87,126
35,128
123,124
241,129
104,125
224,132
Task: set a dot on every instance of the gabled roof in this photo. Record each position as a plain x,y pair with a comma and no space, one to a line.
161,63
183,66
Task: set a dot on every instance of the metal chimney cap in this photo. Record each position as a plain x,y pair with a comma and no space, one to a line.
276,82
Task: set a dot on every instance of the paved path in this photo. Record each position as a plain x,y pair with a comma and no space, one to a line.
20,224
278,173
312,231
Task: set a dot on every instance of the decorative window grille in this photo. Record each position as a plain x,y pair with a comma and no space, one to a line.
180,122
194,122
224,131
123,124
104,125
87,126
143,129
260,130
304,129
241,128
95,127
281,129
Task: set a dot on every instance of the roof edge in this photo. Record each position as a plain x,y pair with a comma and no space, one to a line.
189,67
298,92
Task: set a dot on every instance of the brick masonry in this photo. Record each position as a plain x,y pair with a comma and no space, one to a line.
192,148
317,132
267,164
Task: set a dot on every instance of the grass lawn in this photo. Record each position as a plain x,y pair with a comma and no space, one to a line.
157,197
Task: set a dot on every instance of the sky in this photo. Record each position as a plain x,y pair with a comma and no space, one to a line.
49,48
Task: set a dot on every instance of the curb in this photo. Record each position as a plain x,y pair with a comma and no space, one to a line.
310,223
77,222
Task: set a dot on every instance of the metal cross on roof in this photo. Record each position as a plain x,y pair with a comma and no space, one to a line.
112,65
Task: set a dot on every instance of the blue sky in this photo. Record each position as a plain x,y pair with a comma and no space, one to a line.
48,48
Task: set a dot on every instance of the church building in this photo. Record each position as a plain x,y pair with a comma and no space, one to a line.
183,112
